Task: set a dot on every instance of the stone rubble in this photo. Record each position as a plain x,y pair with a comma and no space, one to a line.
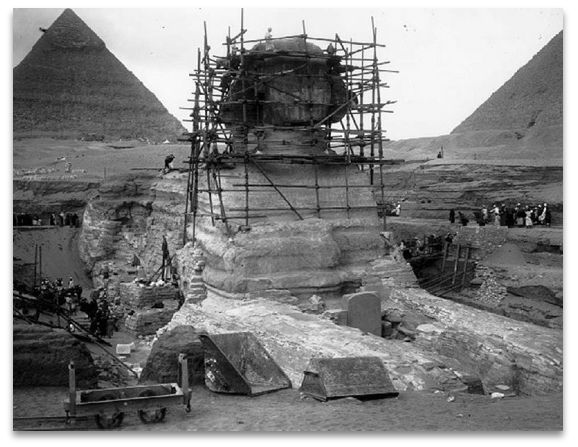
490,292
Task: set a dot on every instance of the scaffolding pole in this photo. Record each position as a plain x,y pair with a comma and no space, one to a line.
216,143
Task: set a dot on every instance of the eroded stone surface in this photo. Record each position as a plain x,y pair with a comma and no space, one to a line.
305,257
162,364
497,348
293,338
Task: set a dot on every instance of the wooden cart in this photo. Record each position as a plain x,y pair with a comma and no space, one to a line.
109,405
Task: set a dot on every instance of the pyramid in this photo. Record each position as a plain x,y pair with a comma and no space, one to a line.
529,100
71,86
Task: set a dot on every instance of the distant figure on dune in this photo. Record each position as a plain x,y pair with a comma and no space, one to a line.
452,216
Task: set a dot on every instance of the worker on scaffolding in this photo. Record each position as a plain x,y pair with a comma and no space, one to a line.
268,40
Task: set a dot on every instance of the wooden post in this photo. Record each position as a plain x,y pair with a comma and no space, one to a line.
35,264
40,262
456,262
189,178
72,389
317,202
465,271
445,255
246,164
185,381
347,186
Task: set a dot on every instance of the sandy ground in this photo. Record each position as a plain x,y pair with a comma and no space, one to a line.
97,159
121,157
285,410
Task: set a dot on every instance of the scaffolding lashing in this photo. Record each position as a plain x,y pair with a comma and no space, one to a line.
279,85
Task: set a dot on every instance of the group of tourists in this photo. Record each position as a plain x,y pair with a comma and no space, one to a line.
507,215
55,294
61,219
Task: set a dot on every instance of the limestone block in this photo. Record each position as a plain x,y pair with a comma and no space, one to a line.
123,349
148,321
364,312
138,296
162,363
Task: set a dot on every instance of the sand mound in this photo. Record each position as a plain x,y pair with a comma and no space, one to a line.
507,254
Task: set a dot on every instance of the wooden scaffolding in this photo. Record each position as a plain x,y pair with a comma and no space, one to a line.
215,146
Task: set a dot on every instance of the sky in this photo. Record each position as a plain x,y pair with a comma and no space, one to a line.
449,60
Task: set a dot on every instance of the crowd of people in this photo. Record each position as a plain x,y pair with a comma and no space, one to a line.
104,316
61,219
54,294
507,215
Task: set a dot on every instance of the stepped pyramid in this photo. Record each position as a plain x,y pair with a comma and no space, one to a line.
70,85
530,100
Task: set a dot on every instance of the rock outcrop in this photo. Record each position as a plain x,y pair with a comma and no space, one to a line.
496,348
431,189
70,85
162,364
292,338
48,196
128,219
305,257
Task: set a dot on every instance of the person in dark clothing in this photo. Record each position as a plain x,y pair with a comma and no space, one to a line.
165,250
510,219
102,317
90,308
463,219
452,216
503,215
520,216
548,219
168,163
